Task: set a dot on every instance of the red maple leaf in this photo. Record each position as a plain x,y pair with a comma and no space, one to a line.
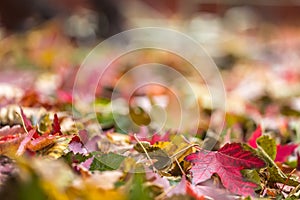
227,162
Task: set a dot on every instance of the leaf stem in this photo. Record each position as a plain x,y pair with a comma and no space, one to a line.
270,161
23,123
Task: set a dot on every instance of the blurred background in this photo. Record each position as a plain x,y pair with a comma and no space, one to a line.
255,44
228,29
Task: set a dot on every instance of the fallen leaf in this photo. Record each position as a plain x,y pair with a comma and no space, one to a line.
77,147
56,126
41,142
7,130
158,180
10,143
25,141
283,151
203,191
268,144
256,134
143,136
56,149
27,123
227,162
104,162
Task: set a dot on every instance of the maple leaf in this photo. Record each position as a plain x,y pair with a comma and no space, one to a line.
227,162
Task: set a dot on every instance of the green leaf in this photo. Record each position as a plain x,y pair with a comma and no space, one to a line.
104,162
268,144
251,175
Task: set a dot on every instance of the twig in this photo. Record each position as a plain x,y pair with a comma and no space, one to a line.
184,149
147,155
288,178
183,173
270,161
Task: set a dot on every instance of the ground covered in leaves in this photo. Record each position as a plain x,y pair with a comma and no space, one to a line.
47,152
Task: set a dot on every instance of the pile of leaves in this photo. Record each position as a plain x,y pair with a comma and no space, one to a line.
48,153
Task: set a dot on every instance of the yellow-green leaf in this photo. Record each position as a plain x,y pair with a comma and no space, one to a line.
268,144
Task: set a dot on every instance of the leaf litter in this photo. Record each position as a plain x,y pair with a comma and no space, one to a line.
47,153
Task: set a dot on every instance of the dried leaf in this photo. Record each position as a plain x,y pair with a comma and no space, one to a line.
276,177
